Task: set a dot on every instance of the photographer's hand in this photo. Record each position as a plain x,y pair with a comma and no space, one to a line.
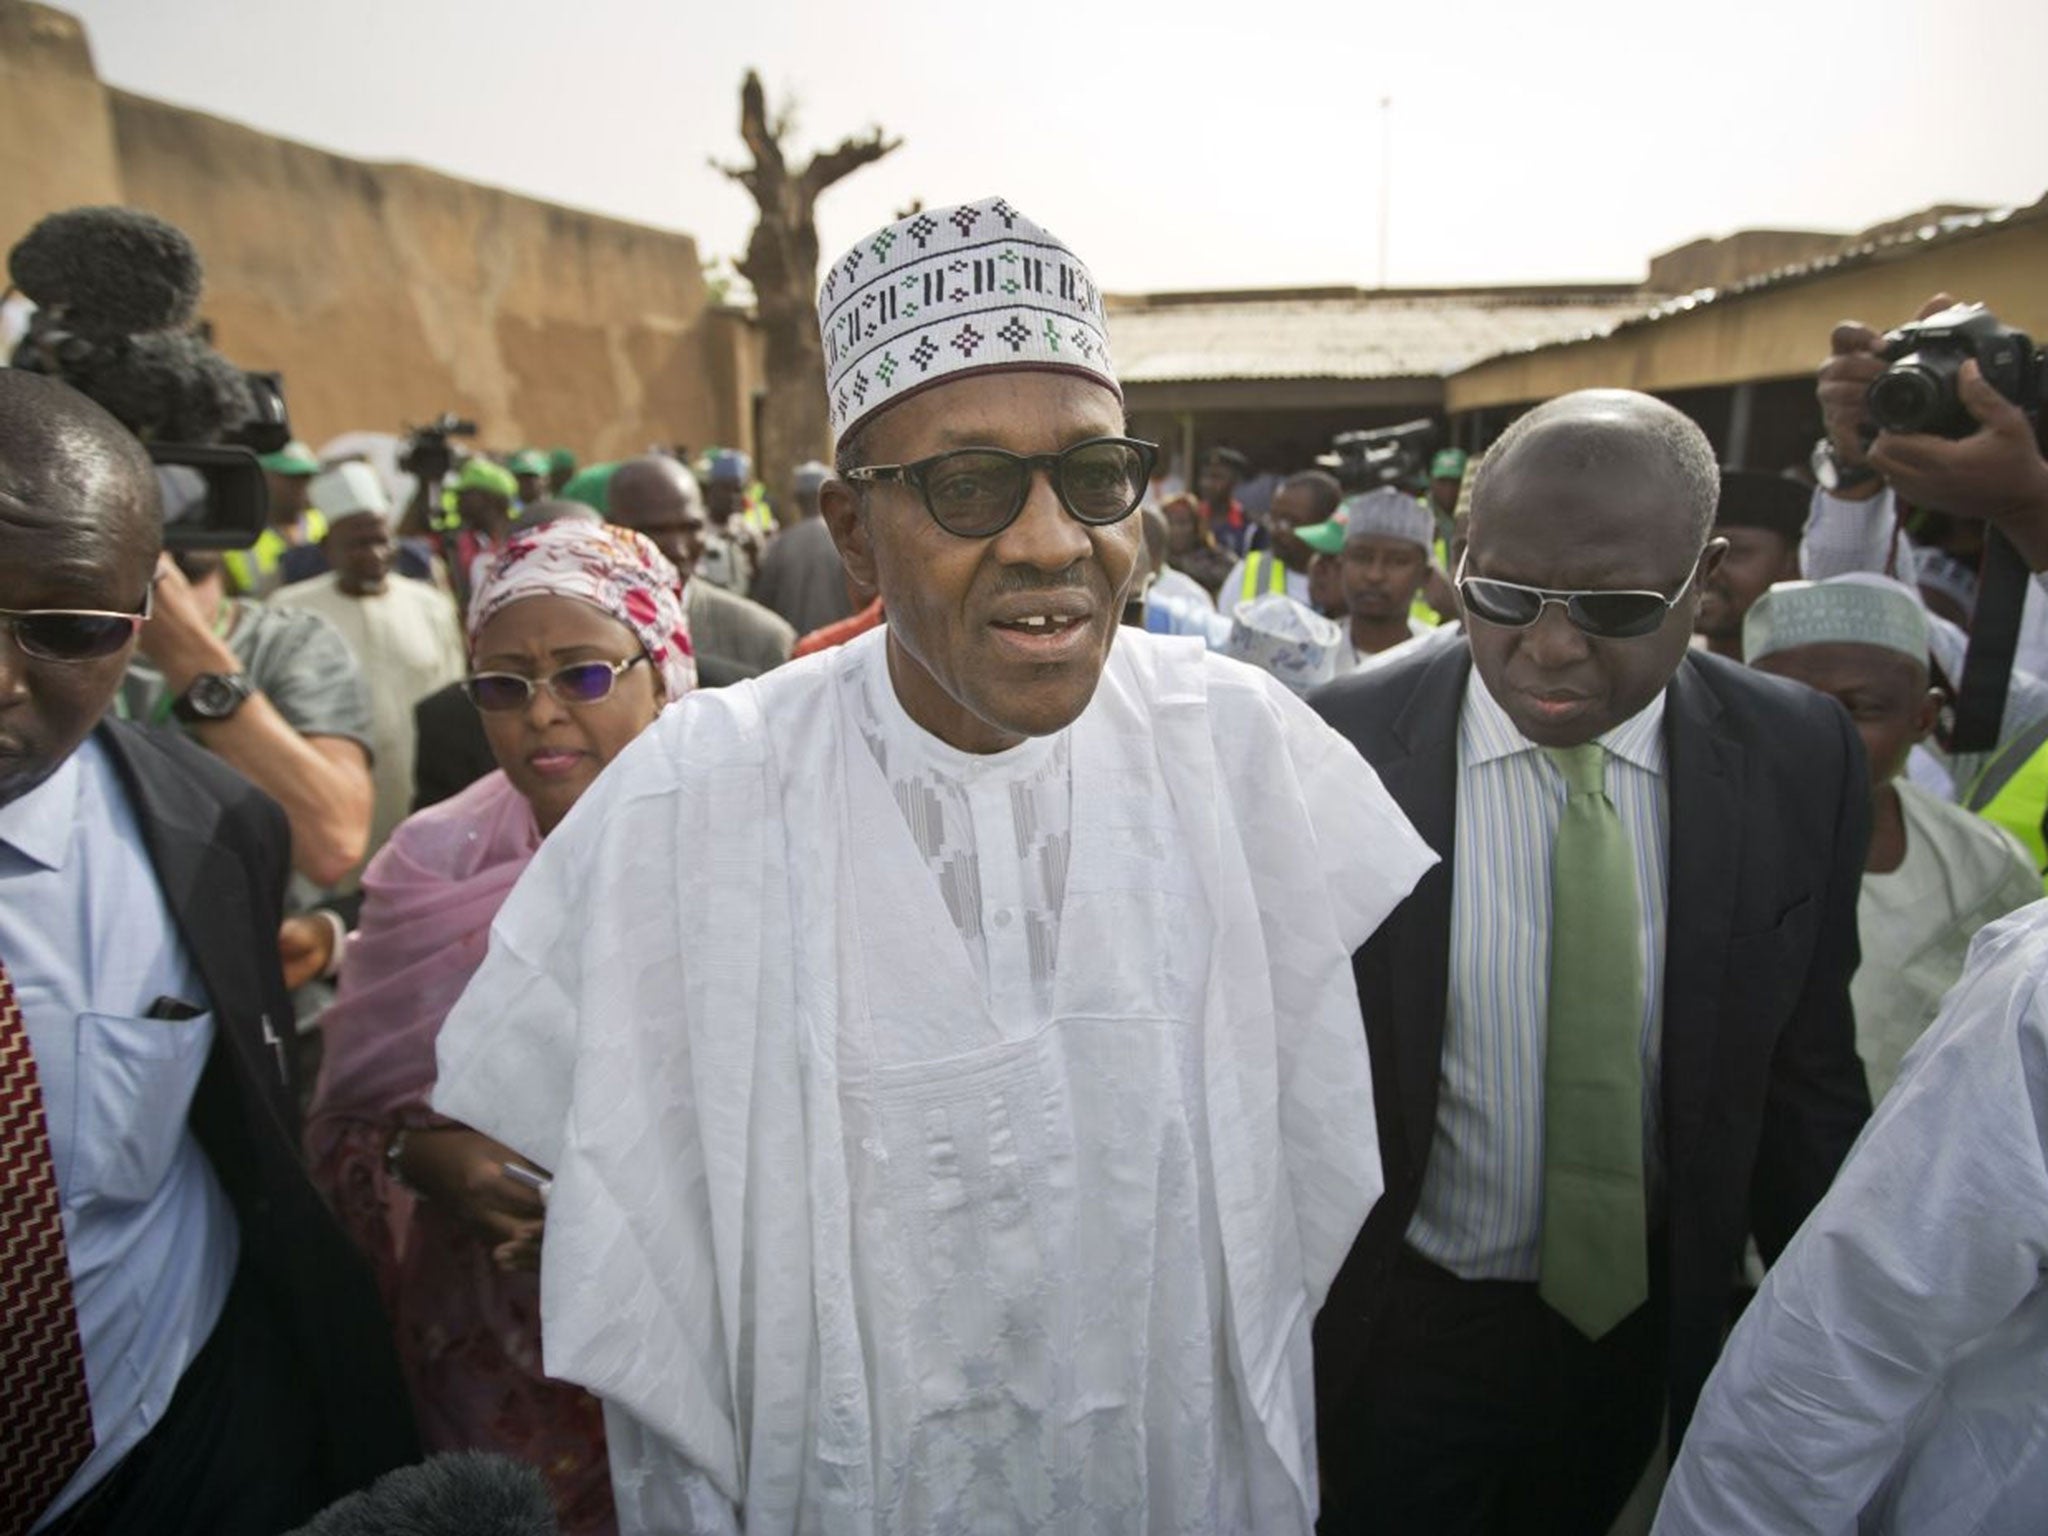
323,782
180,637
1996,473
1844,388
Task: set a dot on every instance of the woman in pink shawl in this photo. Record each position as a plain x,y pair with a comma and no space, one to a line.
577,639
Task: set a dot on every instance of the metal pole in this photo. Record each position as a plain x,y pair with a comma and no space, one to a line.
1386,177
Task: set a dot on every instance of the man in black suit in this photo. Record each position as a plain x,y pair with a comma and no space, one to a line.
192,1344
1610,1031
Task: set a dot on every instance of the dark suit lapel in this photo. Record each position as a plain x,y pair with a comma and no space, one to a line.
1706,777
207,892
1423,779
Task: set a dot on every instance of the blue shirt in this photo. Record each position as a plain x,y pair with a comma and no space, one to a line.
1481,1210
91,948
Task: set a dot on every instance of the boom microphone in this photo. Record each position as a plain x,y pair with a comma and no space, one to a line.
109,272
462,1493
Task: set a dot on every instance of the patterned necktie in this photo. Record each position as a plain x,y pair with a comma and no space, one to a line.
45,1411
1595,1264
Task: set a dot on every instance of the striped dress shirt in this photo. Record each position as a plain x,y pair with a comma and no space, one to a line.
1481,1209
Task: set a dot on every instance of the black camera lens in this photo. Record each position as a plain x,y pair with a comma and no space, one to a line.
1913,396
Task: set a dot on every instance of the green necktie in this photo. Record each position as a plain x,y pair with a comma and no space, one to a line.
1595,1264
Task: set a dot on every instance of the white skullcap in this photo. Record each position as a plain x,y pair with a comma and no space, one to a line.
949,291
1286,638
1861,608
348,489
1388,514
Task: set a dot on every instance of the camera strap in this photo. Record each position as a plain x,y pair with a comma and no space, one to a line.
1994,638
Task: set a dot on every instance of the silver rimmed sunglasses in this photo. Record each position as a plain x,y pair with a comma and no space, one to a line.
1603,613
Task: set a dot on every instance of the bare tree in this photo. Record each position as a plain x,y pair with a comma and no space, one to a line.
782,266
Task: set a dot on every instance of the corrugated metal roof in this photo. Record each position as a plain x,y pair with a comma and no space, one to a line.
1888,247
1321,334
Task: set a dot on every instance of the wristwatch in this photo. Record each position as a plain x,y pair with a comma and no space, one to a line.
1831,474
213,696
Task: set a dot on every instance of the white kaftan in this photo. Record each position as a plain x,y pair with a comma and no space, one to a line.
1889,1377
1916,923
857,1227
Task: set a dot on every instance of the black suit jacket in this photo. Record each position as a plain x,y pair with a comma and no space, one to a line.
222,849
1762,1088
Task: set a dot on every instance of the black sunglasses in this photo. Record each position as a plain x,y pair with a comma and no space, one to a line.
977,492
1603,614
74,634
585,682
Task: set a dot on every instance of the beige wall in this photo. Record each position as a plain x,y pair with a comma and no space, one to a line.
387,293
1781,332
56,142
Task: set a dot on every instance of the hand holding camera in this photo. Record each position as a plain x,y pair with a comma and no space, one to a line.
1941,409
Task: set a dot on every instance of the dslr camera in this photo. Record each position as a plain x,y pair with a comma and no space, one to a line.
429,455
1917,393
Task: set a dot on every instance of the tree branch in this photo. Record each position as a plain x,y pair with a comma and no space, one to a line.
757,133
834,165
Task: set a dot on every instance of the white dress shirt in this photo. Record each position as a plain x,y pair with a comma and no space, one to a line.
91,948
1481,1209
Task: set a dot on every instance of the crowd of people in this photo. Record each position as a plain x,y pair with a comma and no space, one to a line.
974,987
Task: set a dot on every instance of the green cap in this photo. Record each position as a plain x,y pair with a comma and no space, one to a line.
294,458
588,486
561,461
1449,464
483,475
529,461
1324,538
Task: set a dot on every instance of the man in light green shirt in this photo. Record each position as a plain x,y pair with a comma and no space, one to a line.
1935,873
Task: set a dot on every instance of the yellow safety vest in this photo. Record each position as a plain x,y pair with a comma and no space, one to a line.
248,568
1274,578
2019,805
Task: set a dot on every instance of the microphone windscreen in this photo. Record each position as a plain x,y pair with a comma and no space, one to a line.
113,271
462,1493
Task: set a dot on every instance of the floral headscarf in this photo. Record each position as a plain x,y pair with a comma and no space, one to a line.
614,570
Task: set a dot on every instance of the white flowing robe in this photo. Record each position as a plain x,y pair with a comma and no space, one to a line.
841,1256
1892,1374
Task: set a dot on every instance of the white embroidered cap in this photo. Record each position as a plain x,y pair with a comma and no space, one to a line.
949,291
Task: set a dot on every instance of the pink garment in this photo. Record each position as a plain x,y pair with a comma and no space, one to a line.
468,1333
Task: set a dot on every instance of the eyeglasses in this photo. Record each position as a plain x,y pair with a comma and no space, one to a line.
74,634
584,683
1603,614
977,492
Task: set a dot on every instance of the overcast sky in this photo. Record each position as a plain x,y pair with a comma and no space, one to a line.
1175,145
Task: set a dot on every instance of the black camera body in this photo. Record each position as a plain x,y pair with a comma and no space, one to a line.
1376,456
428,453
1917,393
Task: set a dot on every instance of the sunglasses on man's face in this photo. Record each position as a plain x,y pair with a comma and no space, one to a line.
73,634
975,493
1602,613
586,682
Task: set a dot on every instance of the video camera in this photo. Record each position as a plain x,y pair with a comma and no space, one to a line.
1377,456
115,291
1917,393
429,455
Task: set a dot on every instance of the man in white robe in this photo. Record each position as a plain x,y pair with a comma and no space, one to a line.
1935,873
1888,1376
946,1048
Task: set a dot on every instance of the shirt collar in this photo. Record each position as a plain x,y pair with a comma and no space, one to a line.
1485,733
38,824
